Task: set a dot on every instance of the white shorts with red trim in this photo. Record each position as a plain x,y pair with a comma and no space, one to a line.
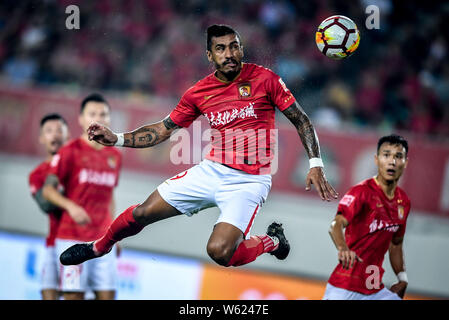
335,293
49,276
238,195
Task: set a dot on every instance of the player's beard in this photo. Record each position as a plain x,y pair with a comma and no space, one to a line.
231,74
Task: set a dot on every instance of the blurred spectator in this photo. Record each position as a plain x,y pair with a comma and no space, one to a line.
369,98
20,69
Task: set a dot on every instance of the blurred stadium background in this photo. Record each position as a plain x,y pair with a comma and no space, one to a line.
142,55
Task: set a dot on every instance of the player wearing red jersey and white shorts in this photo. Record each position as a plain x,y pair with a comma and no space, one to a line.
239,100
374,213
89,172
53,134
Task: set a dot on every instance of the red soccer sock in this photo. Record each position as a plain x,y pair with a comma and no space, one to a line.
122,227
250,249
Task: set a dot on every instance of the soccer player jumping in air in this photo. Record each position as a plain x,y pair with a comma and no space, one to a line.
239,100
374,213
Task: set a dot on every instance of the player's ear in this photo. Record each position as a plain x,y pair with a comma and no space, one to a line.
376,160
209,55
41,138
81,120
67,134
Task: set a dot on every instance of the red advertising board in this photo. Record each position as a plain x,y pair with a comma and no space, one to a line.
348,156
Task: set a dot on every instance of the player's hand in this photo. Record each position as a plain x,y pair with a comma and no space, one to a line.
399,288
347,258
318,179
101,134
78,214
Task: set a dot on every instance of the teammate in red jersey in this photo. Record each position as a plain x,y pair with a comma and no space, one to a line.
89,172
239,101
374,213
53,134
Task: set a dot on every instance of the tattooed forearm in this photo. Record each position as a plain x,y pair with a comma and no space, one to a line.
305,129
169,124
143,137
150,135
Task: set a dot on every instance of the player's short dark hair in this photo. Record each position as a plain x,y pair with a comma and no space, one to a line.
95,97
52,116
393,139
219,30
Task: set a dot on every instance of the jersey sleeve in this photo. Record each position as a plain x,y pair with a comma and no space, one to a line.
278,92
61,165
34,182
185,112
351,204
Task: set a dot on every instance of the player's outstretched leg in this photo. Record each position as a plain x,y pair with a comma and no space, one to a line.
127,224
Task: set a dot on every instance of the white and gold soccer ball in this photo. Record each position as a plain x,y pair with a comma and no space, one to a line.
337,37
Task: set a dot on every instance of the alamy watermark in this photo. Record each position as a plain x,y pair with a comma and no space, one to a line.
373,19
73,19
373,280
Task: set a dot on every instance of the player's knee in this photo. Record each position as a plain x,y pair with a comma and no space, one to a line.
141,214
220,252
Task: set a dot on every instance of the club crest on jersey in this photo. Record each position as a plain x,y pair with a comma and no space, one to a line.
401,212
245,90
112,162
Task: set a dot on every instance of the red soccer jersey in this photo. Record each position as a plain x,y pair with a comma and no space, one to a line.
241,115
36,181
89,177
373,222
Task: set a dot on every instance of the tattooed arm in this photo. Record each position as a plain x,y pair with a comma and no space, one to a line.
305,129
309,139
143,137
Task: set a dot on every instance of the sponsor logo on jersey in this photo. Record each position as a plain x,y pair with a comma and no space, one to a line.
96,177
347,200
382,225
225,117
283,85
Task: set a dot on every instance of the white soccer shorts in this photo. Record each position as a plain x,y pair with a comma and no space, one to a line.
97,274
49,275
334,293
238,195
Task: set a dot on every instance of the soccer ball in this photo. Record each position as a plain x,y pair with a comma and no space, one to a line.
337,37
